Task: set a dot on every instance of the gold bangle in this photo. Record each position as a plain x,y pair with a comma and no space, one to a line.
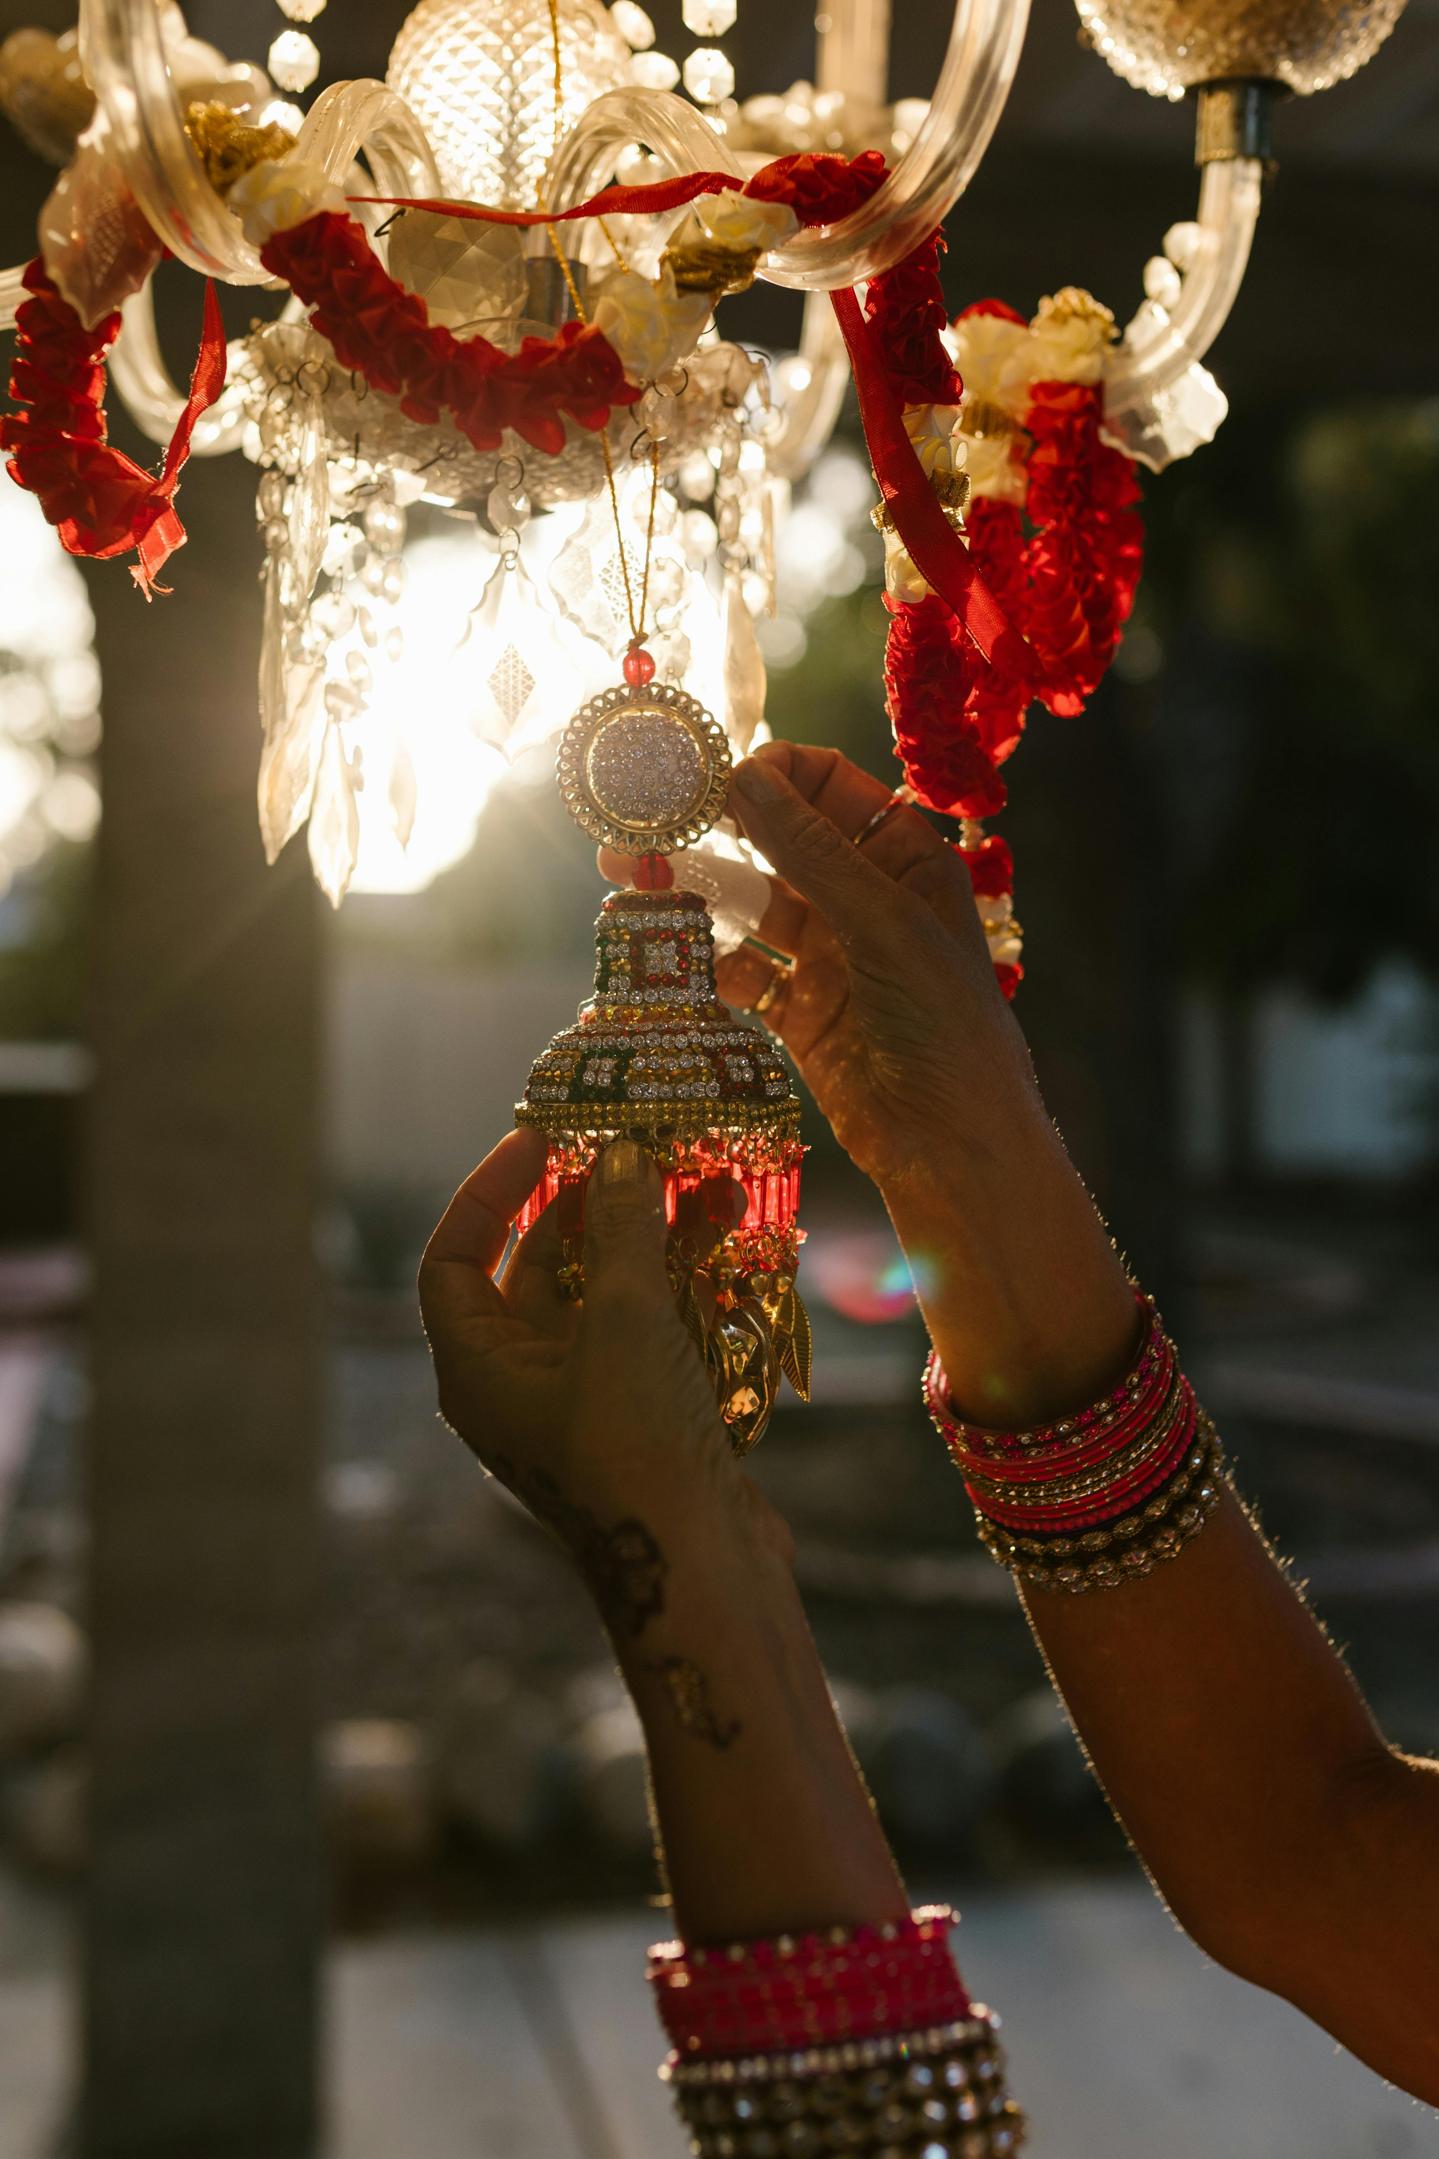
1152,1543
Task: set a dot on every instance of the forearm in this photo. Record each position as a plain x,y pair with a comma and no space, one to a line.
1239,1755
764,1824
1024,1296
848,2011
1226,1730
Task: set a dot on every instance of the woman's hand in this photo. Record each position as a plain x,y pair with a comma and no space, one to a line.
895,1020
892,998
599,1416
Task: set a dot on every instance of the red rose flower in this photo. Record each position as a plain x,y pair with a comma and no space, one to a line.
819,188
990,866
1001,308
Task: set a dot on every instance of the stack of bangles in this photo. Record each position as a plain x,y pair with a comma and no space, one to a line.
1100,1498
858,2040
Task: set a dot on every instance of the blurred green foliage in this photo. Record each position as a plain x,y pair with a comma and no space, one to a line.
1292,579
835,694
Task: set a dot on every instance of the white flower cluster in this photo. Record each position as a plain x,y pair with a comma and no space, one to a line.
1069,340
652,324
280,193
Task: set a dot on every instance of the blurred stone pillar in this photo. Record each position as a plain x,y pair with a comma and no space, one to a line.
202,1919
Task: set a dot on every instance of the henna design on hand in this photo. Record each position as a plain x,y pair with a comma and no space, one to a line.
689,1691
624,1565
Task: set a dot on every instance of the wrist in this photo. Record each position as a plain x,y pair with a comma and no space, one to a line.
1025,1298
668,1556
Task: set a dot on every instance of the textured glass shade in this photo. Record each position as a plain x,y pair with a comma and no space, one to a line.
1170,46
480,77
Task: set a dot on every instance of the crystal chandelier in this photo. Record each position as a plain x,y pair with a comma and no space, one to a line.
504,271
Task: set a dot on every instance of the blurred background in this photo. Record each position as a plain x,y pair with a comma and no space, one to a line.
229,1519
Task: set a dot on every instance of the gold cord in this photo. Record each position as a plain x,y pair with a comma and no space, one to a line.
636,616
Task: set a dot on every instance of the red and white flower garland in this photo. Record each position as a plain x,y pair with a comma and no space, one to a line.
1032,610
99,500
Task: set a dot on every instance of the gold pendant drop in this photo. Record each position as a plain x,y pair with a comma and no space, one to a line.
643,767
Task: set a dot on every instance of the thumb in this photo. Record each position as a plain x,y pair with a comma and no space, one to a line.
625,1234
858,902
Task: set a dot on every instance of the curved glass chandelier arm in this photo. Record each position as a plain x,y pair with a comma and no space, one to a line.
974,82
811,389
124,57
123,53
983,53
676,134
365,119
852,49
140,376
1160,344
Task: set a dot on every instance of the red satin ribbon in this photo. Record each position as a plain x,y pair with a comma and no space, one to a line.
156,545
134,509
936,549
646,196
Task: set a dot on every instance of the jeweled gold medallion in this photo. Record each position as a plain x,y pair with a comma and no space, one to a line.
644,768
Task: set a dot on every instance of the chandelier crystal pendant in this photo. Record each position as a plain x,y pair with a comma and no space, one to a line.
502,269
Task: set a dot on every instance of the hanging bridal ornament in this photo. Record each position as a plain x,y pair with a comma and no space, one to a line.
502,268
656,1056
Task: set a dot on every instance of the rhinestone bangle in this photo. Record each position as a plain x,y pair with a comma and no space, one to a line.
1100,1498
919,2093
1153,1542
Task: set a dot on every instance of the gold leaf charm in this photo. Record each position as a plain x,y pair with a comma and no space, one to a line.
692,1316
744,1369
794,1339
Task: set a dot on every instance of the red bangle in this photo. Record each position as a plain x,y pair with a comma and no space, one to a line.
811,1989
1072,1476
1160,1458
1005,1449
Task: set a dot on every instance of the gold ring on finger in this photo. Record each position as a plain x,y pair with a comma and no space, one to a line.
899,800
774,988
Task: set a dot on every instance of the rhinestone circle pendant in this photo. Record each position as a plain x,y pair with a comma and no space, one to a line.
644,768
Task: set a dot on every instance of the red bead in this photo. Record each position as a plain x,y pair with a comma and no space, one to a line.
639,667
653,873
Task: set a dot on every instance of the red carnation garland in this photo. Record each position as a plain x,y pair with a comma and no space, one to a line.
1064,569
384,332
1084,560
99,500
957,676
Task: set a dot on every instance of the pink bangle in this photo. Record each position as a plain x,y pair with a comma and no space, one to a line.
1051,1499
1107,1498
810,1989
1020,1451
